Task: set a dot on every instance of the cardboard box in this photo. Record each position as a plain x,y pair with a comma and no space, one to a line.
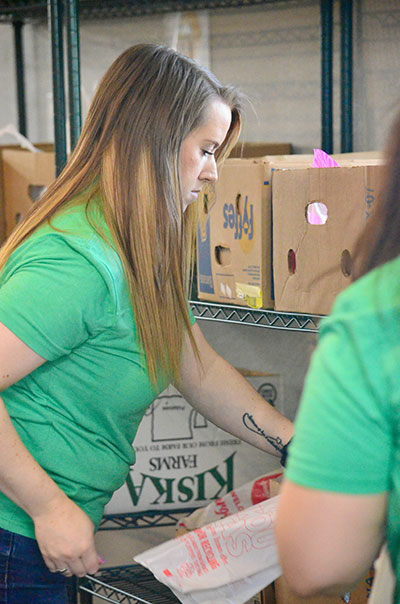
234,234
24,177
360,595
183,460
266,596
312,260
2,214
2,203
234,263
260,149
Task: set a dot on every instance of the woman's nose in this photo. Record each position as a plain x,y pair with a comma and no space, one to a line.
210,171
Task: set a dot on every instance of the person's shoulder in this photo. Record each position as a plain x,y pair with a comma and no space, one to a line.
72,234
374,298
76,230
71,223
378,289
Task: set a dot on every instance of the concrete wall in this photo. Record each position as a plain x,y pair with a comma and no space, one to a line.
272,52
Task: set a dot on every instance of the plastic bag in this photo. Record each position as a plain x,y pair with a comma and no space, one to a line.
10,130
225,562
384,581
253,492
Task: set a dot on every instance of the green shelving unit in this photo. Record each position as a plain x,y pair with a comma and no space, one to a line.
132,584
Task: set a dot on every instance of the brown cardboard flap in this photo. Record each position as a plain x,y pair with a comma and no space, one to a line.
260,149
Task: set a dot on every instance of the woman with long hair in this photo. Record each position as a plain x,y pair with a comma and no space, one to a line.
341,497
94,315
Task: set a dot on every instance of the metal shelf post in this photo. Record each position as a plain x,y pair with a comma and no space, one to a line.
327,75
346,63
74,76
55,12
20,75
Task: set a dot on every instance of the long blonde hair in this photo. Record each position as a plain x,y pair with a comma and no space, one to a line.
147,103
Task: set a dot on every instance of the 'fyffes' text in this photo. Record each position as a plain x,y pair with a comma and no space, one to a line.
243,223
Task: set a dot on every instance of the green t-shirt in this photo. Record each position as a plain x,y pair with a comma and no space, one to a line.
65,295
347,430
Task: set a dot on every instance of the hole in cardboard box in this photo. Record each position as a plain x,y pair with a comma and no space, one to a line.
316,213
222,255
291,258
346,263
239,204
36,191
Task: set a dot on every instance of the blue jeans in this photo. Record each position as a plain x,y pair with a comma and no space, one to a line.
24,576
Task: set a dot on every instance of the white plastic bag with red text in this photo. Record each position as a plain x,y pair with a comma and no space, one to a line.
225,562
253,492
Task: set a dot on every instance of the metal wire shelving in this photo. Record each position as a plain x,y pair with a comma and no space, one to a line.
258,317
146,519
131,584
12,10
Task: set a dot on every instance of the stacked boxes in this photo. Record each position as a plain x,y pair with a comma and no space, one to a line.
235,232
258,242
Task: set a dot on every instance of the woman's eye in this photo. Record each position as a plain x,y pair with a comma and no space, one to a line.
207,153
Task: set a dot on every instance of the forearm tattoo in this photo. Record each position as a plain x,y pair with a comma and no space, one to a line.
250,423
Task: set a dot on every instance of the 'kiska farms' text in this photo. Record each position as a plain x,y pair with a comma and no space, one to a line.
201,487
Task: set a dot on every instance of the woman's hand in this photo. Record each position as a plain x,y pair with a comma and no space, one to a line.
64,532
65,536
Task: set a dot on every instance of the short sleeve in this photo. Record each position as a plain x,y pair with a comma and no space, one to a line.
343,435
52,297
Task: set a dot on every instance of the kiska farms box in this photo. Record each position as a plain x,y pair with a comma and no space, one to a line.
185,461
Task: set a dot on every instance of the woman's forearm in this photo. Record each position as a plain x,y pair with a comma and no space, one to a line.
22,479
227,399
